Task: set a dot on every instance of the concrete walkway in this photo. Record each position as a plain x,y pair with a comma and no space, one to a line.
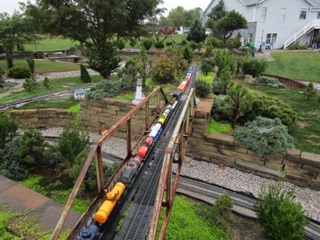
20,198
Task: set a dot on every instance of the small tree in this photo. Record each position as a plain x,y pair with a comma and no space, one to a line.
202,88
84,75
8,128
188,54
30,84
197,32
221,212
206,67
310,91
279,214
237,103
121,44
73,140
46,82
147,44
163,71
254,66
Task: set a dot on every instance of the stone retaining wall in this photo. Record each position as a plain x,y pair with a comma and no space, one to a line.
301,168
108,111
50,117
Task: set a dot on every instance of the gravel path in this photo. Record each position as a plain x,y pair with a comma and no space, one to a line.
230,178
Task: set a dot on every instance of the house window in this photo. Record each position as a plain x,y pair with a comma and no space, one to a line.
303,13
250,37
263,16
283,14
253,15
318,16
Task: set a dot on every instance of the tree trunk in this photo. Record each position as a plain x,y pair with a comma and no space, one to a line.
9,59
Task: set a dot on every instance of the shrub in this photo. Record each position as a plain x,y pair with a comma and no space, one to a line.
202,88
279,214
184,42
254,66
8,128
84,75
222,83
264,136
1,73
73,140
188,54
310,91
32,148
46,82
297,46
147,44
224,58
30,84
106,88
133,42
216,111
163,71
19,72
169,43
221,212
121,45
269,107
206,67
237,103
159,44
270,81
215,42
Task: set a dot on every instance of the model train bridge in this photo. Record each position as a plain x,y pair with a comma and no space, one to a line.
154,187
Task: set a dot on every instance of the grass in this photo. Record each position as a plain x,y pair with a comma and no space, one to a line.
51,44
53,103
218,127
43,66
24,227
56,85
306,130
207,78
296,65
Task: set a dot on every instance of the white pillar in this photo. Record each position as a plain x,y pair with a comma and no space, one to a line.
139,96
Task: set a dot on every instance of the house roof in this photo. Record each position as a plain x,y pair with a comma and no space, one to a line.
251,2
316,3
80,91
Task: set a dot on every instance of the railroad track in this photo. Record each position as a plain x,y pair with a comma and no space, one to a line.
243,201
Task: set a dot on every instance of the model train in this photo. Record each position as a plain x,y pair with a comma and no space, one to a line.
132,168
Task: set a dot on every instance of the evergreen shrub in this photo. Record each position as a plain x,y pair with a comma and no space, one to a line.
84,75
254,66
310,91
147,44
269,81
264,136
8,128
106,88
19,72
279,214
202,88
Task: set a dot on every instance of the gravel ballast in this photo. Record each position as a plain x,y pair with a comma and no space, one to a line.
229,178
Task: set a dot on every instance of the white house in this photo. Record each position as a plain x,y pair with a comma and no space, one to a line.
275,23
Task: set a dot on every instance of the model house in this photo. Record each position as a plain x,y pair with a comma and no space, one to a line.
79,93
276,23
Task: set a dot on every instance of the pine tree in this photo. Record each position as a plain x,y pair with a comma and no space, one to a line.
85,77
46,82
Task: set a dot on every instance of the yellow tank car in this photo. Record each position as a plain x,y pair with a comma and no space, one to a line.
163,118
108,205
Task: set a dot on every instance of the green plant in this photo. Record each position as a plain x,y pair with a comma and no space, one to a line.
73,140
106,88
279,214
159,44
269,81
84,75
74,109
46,82
188,54
30,84
147,44
1,73
19,72
237,103
221,212
215,42
310,91
270,107
254,66
207,66
264,136
218,127
224,58
163,71
297,46
202,88
8,128
121,44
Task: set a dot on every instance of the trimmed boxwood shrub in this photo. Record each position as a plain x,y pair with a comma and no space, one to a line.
264,136
19,72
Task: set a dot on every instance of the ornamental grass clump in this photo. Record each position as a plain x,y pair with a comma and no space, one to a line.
264,136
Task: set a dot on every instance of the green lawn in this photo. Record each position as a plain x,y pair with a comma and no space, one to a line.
296,65
306,130
59,84
43,66
51,44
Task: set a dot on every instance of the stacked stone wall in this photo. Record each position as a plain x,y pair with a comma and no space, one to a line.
299,167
